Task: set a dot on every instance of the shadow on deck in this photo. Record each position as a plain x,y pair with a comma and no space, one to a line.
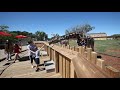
22,69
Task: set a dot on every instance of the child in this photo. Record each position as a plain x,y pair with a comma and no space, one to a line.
16,51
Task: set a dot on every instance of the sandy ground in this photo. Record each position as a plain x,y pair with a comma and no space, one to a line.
112,61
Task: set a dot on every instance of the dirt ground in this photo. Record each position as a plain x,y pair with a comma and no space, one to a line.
112,61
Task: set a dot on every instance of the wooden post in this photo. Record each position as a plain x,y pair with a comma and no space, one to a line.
45,48
63,46
56,57
41,55
100,63
68,46
73,48
94,57
71,70
50,54
89,50
75,75
67,68
77,49
114,73
60,64
47,51
80,49
64,67
83,50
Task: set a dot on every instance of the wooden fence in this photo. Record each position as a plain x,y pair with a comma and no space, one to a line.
78,62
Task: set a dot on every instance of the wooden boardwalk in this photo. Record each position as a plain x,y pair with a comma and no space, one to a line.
23,70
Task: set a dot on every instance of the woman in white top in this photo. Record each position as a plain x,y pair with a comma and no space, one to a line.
36,56
31,47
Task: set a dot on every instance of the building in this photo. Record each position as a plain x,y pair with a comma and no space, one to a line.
98,36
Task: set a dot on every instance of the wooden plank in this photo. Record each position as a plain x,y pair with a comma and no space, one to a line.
47,51
68,46
83,50
89,50
77,49
64,67
113,72
74,48
66,64
94,57
56,62
80,49
60,64
67,68
50,53
75,75
71,70
85,69
100,63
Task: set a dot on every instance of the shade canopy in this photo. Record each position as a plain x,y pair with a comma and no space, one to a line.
4,33
21,36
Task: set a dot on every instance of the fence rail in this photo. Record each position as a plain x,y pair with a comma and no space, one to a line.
76,62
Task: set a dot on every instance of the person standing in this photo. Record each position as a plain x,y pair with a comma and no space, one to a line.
16,51
30,48
36,57
8,49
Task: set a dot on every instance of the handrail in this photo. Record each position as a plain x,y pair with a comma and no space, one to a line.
76,62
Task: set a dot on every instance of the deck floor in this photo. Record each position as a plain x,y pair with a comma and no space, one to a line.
23,70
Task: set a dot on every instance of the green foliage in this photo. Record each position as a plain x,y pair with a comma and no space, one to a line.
110,47
116,36
4,28
40,35
80,29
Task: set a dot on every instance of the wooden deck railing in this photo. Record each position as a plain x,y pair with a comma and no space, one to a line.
76,62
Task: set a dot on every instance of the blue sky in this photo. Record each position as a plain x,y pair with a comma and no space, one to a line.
58,22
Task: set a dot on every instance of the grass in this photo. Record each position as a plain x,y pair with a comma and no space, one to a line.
72,42
111,47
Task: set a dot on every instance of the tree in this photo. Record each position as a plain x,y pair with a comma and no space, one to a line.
66,32
81,29
41,35
4,28
116,36
86,28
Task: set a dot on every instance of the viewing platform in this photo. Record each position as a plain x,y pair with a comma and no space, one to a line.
59,62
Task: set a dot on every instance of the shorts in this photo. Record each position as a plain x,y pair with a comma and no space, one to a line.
37,60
